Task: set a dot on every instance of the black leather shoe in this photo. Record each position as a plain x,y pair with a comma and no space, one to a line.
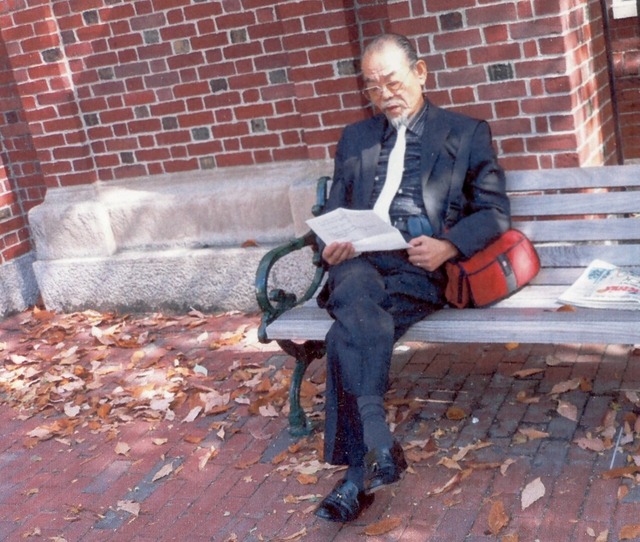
384,466
344,503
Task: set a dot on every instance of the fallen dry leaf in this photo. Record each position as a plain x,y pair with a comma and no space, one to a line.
137,356
567,385
455,414
632,396
268,411
160,441
204,459
470,448
71,410
449,463
164,471
33,532
307,479
629,532
532,492
249,243
122,448
507,463
523,397
511,537
511,346
567,410
382,527
498,519
524,373
623,491
620,472
593,444
533,434
295,536
247,464
282,456
552,361
193,414
129,506
453,482
603,536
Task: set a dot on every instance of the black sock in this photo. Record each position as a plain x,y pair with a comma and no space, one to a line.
356,475
374,425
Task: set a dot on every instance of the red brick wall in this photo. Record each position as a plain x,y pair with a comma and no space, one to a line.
124,88
529,67
625,34
21,182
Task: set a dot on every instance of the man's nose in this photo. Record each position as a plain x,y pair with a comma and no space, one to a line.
385,92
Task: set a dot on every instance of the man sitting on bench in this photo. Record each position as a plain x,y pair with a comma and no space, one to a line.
399,163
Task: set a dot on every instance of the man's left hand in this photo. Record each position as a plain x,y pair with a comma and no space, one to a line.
429,253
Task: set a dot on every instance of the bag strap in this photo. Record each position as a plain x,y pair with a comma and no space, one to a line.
460,169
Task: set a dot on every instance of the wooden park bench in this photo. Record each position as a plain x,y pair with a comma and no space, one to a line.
573,216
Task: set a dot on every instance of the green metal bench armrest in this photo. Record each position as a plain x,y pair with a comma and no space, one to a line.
277,301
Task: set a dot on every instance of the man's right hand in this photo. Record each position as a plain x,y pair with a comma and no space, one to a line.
336,253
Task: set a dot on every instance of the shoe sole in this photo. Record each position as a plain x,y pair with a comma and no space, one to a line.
381,487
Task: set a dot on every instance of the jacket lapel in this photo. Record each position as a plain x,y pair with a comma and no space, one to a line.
369,156
434,137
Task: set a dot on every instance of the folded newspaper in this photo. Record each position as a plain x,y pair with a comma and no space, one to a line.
605,286
365,229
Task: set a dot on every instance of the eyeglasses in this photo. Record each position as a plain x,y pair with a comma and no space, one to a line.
373,93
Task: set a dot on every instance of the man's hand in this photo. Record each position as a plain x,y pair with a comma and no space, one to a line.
429,253
336,253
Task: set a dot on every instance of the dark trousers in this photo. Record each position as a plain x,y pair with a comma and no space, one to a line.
373,299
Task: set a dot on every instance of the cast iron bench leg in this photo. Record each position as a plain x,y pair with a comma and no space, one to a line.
304,354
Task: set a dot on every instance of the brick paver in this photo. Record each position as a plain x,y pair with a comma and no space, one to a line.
261,484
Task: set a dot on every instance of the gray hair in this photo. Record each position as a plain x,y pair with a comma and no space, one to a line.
401,42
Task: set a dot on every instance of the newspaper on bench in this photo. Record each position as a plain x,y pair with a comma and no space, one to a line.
605,286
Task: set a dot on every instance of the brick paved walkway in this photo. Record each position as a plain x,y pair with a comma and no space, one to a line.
98,443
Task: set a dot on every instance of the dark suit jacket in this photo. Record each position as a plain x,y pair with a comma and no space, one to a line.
453,144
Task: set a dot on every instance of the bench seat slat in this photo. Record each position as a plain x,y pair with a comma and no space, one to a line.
575,204
489,325
531,325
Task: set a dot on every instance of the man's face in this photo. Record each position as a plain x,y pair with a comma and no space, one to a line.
394,87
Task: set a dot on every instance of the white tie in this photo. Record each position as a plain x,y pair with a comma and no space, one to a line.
394,176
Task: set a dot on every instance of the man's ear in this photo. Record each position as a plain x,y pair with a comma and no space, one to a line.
421,71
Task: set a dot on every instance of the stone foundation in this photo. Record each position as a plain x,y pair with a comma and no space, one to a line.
160,243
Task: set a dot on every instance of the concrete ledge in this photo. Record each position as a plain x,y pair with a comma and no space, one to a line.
18,285
220,208
172,243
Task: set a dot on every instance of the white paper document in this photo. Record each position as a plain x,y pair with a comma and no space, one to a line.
365,229
605,286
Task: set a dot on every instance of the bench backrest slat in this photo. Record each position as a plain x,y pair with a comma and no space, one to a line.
574,178
613,229
551,276
583,255
576,204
